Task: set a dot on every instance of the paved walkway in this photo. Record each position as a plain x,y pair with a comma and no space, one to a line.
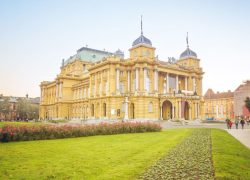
196,124
242,135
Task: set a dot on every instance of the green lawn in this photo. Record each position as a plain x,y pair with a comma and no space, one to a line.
124,156
100,157
18,123
231,158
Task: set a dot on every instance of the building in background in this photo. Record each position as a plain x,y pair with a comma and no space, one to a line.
95,84
12,108
218,106
240,95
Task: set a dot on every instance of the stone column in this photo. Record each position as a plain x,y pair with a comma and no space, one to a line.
108,86
126,109
59,89
62,89
195,107
189,113
136,79
96,90
173,116
100,111
90,84
198,110
194,84
200,86
117,79
180,109
186,83
41,95
177,84
155,80
145,79
161,118
56,90
167,83
101,84
128,80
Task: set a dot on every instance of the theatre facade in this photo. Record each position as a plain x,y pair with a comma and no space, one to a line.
95,84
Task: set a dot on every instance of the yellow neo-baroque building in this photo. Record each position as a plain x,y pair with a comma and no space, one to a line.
96,84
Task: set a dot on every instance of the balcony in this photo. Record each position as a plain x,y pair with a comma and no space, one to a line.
179,95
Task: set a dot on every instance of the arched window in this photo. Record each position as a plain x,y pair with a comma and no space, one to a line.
150,107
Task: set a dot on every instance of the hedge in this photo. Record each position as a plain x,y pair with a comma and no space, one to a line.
41,132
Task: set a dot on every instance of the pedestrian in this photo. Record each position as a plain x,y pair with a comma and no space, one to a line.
227,122
242,122
248,120
236,123
230,124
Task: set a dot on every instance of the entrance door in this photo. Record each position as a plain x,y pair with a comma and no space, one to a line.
186,110
167,110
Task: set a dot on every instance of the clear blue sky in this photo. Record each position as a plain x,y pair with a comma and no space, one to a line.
36,35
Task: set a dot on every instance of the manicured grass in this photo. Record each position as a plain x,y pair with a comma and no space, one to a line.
18,123
231,158
123,156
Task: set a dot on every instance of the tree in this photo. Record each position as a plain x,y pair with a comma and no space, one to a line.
22,108
26,110
247,103
5,107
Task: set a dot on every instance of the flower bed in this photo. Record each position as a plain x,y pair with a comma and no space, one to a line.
39,132
191,159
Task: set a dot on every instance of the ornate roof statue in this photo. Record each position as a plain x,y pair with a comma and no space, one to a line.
142,39
188,53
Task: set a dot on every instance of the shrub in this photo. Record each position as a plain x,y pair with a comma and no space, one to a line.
40,132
